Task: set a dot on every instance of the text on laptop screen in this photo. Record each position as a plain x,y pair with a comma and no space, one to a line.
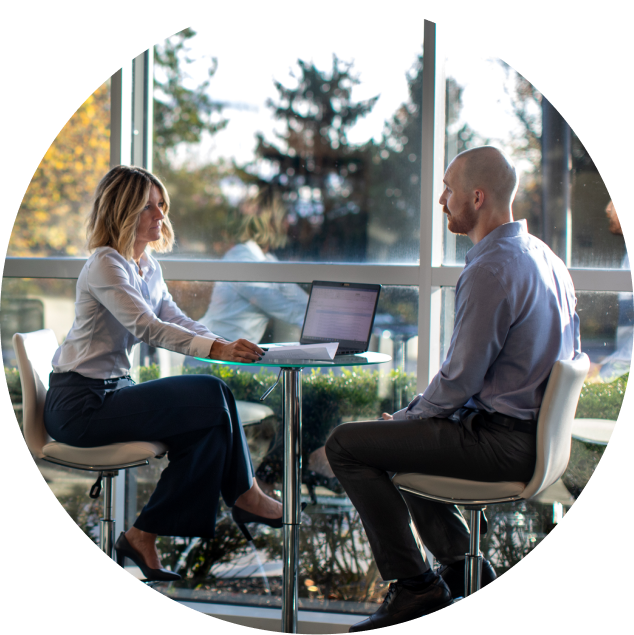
340,314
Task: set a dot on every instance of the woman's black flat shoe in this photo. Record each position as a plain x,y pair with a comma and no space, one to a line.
241,516
125,550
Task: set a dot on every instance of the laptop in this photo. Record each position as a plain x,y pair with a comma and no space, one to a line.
341,312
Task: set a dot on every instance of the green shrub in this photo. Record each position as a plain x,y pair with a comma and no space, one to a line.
327,398
13,384
331,398
602,401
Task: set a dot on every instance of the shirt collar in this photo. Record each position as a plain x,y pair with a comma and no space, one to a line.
147,265
507,230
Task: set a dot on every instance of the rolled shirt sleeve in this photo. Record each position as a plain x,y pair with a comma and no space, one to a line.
115,308
110,285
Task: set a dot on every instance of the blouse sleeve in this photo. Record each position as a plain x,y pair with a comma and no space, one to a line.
109,283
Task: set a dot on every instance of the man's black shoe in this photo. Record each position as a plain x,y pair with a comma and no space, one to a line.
402,604
453,575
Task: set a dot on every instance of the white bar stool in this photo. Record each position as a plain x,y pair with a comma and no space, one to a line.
554,433
34,352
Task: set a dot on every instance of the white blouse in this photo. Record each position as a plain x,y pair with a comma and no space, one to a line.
115,308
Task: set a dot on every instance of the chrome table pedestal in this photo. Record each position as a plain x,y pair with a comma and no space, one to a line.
292,395
290,371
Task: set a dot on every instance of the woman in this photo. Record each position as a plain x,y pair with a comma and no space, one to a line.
122,299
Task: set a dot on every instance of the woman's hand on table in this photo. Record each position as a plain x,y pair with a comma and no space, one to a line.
241,351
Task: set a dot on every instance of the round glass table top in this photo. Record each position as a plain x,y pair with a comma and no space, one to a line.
360,359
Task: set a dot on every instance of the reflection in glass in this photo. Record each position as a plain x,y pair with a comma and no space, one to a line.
244,310
337,572
561,194
349,196
606,325
30,304
336,567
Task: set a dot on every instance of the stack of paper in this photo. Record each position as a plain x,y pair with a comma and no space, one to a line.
314,352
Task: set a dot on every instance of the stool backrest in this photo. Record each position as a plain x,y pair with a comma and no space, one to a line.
554,425
34,352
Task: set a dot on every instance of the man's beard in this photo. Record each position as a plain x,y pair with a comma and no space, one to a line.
463,223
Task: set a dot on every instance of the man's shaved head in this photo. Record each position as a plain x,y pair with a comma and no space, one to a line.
489,169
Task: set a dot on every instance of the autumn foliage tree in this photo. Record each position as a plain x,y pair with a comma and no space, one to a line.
50,221
51,218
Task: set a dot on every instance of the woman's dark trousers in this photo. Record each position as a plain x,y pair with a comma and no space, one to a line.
194,415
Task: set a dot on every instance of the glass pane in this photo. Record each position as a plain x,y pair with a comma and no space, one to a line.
51,218
32,304
561,194
606,326
313,155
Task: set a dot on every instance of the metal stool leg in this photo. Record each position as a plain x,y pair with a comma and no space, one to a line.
106,526
473,559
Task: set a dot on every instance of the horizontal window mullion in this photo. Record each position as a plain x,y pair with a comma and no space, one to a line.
207,270
601,279
290,272
611,280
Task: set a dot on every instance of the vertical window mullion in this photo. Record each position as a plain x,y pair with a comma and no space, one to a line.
120,117
142,110
432,164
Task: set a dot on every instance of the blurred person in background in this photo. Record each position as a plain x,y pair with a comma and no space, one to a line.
243,309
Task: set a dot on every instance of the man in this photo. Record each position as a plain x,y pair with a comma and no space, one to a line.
514,318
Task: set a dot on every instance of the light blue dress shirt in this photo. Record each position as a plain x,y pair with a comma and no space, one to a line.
115,308
514,318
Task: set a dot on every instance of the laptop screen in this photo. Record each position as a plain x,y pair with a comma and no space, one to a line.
341,312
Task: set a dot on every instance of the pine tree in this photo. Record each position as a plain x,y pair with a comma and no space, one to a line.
320,176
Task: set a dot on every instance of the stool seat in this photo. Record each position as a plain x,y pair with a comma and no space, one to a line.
113,456
251,413
459,491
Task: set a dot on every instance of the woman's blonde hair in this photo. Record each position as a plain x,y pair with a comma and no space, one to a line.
266,226
120,198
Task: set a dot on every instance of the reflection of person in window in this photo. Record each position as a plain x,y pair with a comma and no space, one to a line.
618,363
243,309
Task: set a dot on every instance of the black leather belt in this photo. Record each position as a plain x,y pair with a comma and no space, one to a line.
511,423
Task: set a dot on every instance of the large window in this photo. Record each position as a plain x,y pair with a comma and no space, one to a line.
317,164
324,138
